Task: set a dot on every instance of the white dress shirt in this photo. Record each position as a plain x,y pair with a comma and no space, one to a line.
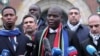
52,31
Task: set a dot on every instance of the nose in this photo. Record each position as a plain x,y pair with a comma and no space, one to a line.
32,11
28,23
73,14
51,17
9,17
94,28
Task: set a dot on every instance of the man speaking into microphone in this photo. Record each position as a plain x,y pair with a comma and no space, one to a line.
59,37
93,36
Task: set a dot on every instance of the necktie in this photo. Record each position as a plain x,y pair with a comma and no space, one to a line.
13,43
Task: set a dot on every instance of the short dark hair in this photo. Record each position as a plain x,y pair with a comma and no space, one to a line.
26,16
75,8
8,7
37,7
56,8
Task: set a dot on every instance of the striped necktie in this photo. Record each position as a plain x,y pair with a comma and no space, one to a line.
14,44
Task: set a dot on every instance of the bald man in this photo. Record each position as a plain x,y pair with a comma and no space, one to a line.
56,35
94,34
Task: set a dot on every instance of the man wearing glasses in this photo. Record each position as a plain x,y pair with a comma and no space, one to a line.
74,24
93,37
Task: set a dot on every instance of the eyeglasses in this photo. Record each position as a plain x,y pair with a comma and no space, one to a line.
97,25
71,13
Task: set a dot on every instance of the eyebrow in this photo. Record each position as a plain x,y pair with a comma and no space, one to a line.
96,25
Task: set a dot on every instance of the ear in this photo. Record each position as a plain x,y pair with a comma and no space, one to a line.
61,18
36,26
23,28
16,18
80,15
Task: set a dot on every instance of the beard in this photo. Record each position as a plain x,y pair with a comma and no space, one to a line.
29,30
8,25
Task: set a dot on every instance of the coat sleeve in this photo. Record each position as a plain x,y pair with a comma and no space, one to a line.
73,41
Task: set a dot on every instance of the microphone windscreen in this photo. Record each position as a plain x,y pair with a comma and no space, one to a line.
5,52
91,49
46,44
56,51
72,51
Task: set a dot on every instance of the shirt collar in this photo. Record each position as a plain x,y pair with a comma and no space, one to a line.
52,31
94,36
73,28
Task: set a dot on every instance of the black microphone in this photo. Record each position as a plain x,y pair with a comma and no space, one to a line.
92,50
47,47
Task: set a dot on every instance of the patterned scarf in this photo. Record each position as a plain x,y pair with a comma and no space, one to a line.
73,28
61,38
14,32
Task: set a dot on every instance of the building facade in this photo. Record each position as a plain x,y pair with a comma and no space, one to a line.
87,7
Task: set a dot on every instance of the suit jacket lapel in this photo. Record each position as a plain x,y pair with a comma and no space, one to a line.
9,44
98,46
19,42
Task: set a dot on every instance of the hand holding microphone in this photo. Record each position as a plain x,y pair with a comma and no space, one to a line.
48,52
47,47
72,51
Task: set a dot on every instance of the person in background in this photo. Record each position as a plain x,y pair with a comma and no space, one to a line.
93,36
30,27
55,33
34,10
75,25
11,38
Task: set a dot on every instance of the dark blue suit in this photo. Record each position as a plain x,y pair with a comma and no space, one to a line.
41,24
82,32
21,46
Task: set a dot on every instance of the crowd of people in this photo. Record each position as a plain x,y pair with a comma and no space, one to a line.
50,37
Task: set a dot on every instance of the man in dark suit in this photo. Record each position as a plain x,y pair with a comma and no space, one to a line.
74,24
35,10
29,27
11,38
94,34
55,33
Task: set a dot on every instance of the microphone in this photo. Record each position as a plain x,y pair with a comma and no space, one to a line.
5,52
72,51
47,47
56,52
92,50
